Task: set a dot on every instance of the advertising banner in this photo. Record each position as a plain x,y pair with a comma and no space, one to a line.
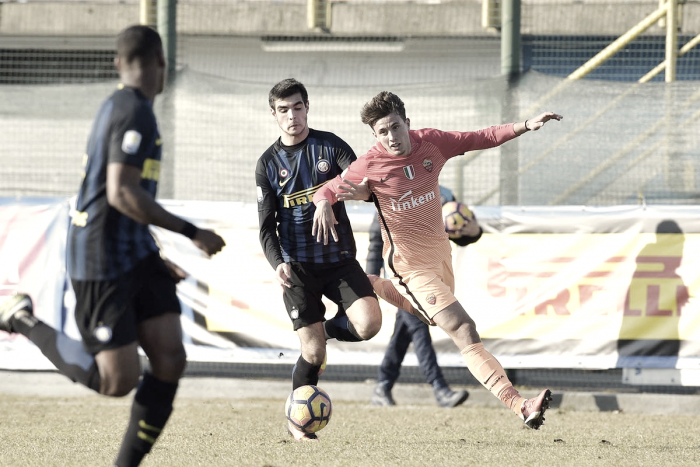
554,287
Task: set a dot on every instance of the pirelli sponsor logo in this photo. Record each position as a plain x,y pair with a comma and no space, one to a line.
301,197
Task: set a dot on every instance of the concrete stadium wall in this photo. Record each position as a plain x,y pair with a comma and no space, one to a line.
458,18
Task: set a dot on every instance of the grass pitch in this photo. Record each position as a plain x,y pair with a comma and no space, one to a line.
86,431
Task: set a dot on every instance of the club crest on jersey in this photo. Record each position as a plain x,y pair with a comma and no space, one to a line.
409,172
431,299
323,166
131,142
284,173
428,165
103,333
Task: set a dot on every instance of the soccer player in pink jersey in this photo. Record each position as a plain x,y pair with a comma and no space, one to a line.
401,172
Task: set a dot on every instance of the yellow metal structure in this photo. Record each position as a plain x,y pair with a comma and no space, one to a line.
661,66
618,44
318,14
148,13
491,15
669,10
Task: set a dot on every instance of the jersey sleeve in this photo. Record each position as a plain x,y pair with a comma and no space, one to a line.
267,217
132,130
344,154
446,195
354,173
455,143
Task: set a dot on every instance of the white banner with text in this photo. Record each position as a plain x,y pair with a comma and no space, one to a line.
551,287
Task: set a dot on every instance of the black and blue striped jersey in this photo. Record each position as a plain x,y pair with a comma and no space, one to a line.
287,178
102,242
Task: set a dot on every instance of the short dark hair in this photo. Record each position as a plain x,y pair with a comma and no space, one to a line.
383,104
285,88
138,42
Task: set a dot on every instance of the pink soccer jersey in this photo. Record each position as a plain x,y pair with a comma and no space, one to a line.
407,189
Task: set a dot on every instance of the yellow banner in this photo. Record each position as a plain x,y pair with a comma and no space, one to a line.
576,286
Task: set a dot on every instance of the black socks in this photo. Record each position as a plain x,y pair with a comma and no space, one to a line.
67,355
152,406
340,328
304,373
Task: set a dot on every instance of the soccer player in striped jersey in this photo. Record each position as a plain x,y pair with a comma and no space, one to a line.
308,266
125,293
402,172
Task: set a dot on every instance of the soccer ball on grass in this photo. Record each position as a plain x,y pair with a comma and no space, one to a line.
308,408
456,215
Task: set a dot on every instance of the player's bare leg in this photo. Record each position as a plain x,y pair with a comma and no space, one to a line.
308,368
455,321
365,317
120,370
313,353
360,322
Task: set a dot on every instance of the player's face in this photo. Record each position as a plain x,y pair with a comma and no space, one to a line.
290,113
392,132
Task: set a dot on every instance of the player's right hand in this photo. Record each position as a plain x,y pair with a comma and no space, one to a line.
208,241
283,273
351,191
324,221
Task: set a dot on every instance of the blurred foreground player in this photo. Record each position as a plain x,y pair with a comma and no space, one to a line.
125,292
402,172
306,266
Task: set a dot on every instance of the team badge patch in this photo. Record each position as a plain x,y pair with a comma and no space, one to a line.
409,172
294,314
284,173
131,142
103,333
428,165
323,166
431,299
260,195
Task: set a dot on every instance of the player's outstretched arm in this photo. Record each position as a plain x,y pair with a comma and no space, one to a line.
125,194
324,222
535,123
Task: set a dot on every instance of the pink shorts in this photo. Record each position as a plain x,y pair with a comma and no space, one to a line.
430,290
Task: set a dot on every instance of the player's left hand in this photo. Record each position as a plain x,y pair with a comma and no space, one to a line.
352,191
208,241
176,272
534,124
324,221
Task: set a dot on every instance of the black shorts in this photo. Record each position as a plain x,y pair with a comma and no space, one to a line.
343,283
108,312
